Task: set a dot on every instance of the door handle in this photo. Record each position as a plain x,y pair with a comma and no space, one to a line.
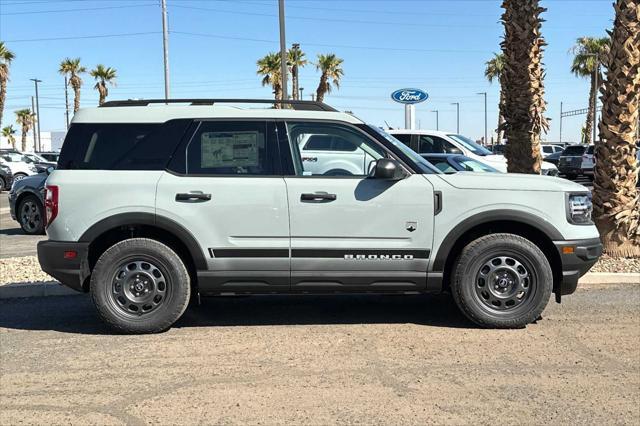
318,197
193,196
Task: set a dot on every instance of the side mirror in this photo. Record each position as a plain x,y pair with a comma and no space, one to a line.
386,168
50,170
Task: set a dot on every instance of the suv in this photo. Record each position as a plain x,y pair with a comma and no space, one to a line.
548,149
152,204
437,142
577,160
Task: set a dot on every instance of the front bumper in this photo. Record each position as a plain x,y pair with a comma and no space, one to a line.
71,272
577,257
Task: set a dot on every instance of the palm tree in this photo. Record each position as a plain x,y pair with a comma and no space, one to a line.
8,133
26,119
522,80
103,75
589,52
493,71
6,56
269,69
330,67
73,69
296,60
616,199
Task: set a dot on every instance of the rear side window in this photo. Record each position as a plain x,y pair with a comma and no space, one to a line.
435,145
404,138
574,151
328,143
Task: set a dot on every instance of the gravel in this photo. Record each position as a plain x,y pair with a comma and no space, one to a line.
25,270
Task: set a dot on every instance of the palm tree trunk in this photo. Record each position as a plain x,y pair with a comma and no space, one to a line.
589,123
24,138
76,99
12,141
500,115
3,94
294,82
616,198
322,88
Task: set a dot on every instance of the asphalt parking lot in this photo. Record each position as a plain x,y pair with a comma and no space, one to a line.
322,360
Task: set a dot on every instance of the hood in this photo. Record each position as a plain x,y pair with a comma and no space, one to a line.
500,162
511,182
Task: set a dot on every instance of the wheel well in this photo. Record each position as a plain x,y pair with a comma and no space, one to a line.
23,196
524,230
108,238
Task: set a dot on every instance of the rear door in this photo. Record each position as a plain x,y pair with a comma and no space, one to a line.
225,187
351,232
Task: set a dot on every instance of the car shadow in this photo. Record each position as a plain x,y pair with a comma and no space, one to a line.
75,314
12,231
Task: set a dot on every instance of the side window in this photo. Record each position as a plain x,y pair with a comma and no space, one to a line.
230,148
326,149
428,144
404,138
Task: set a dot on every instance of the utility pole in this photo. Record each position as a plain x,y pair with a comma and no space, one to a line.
165,47
66,100
560,122
595,100
283,51
457,104
485,116
36,81
437,119
33,109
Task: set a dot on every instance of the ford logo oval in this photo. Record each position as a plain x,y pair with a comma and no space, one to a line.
409,96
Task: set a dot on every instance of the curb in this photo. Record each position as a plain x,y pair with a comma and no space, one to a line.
54,288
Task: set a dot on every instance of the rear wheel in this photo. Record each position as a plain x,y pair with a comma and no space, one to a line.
502,281
140,286
31,215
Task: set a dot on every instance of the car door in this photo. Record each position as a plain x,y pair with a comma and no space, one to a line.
352,232
225,187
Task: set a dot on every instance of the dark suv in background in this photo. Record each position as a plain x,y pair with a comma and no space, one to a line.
576,160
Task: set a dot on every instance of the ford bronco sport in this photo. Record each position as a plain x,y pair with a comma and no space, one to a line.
156,201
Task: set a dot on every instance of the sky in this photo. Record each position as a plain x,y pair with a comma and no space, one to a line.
438,46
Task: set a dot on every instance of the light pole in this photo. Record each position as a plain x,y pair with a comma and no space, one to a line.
283,50
485,116
165,48
36,81
301,89
560,122
33,112
457,104
437,119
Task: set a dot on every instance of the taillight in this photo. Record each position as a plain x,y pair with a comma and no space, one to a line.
51,203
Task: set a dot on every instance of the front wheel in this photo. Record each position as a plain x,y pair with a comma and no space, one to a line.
19,176
140,286
502,281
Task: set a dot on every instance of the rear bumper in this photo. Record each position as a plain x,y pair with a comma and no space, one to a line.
70,272
577,263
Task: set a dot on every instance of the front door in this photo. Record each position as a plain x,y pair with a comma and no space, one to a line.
352,232
225,187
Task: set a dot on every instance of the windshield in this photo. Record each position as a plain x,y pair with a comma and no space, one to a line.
471,145
36,157
14,157
471,165
424,165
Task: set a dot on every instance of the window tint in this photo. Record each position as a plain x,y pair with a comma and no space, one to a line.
574,151
229,148
101,146
404,138
435,145
351,153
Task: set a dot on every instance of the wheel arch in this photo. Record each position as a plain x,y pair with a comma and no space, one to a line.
538,231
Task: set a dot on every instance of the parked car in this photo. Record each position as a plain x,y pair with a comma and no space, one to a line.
548,149
194,199
577,160
452,163
26,203
41,163
6,177
553,158
51,156
438,142
19,168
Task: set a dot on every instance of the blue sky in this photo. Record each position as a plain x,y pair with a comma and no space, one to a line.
439,46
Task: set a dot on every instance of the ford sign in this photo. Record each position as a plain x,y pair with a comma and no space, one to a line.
409,96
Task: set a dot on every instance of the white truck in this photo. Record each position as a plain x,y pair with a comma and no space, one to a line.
153,203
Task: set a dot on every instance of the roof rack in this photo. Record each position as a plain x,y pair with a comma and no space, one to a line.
294,104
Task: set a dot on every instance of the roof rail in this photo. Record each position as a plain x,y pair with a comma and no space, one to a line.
295,104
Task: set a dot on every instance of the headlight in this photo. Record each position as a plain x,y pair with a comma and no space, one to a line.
579,208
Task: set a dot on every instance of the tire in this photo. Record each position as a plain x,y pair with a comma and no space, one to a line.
120,278
19,176
30,213
502,281
3,184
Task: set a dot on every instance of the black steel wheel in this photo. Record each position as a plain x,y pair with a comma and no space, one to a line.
502,281
140,286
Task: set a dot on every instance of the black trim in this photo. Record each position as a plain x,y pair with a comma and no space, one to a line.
132,219
248,252
340,254
486,217
578,263
437,202
70,272
297,105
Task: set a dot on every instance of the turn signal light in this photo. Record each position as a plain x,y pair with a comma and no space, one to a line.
568,250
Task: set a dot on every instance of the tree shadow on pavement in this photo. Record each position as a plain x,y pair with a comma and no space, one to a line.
75,314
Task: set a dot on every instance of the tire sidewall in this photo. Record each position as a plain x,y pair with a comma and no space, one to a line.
40,207
176,279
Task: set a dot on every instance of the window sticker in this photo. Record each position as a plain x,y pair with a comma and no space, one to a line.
226,149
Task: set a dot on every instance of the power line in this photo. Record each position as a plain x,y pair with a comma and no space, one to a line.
32,12
26,40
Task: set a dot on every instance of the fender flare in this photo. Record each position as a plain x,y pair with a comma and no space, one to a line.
149,219
487,217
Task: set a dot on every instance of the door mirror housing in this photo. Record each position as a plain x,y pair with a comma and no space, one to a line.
386,168
50,170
